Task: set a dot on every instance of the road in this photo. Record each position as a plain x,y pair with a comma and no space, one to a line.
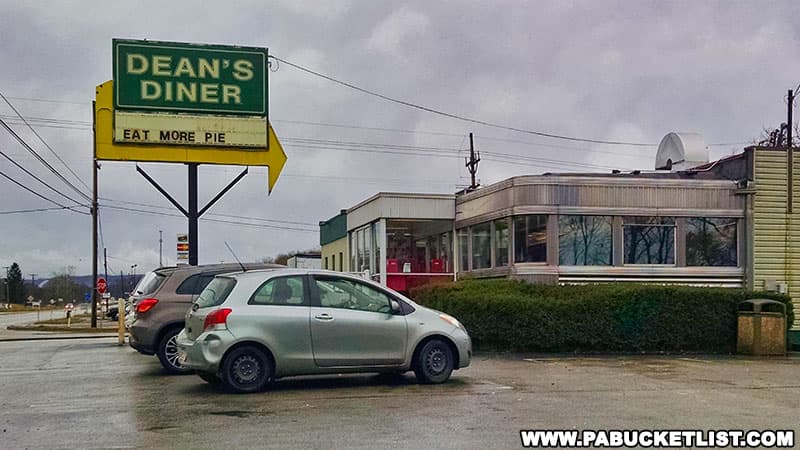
94,394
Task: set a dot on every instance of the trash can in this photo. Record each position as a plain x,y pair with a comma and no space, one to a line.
761,328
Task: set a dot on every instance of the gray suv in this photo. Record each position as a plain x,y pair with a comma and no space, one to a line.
162,300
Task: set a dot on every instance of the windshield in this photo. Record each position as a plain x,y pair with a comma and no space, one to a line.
149,283
216,292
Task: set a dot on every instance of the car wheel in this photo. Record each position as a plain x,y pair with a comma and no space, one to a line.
208,377
168,353
434,362
246,369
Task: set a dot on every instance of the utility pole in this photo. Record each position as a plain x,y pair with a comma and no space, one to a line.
105,263
8,296
160,248
94,216
789,152
472,164
33,281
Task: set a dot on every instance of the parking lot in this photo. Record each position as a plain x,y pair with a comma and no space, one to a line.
90,393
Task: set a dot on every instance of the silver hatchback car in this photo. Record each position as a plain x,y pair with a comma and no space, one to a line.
247,329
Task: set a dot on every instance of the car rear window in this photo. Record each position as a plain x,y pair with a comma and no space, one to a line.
216,292
195,284
149,283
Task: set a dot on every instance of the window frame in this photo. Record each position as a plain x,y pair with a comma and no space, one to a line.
306,292
547,234
736,236
316,300
675,232
611,248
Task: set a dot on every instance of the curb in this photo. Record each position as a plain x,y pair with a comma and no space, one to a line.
55,338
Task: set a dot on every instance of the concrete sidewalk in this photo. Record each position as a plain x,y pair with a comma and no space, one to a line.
30,331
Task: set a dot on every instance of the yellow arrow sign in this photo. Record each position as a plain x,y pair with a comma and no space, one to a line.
106,149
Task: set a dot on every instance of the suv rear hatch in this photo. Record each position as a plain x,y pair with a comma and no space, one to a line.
209,301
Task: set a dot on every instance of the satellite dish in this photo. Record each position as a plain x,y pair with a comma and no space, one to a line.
681,151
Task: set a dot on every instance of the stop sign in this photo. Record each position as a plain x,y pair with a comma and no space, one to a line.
101,285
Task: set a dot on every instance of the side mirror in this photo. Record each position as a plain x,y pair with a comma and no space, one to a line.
395,306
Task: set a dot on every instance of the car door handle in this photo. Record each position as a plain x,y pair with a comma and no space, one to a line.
324,317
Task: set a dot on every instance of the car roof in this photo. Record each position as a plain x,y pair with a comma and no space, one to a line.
223,268
259,273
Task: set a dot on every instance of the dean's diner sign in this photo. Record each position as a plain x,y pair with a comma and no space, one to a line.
199,79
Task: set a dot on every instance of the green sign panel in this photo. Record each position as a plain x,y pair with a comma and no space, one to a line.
177,77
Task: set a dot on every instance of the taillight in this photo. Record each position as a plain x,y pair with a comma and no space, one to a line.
145,304
217,317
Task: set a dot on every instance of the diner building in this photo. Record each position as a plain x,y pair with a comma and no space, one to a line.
726,223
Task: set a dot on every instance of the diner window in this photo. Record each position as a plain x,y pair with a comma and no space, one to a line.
326,263
418,245
584,240
530,238
481,246
649,240
711,242
463,249
501,243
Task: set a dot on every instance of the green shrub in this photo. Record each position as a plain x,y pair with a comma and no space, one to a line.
506,315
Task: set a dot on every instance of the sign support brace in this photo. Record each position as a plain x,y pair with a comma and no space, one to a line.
192,213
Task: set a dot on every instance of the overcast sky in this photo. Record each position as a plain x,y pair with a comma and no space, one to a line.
629,71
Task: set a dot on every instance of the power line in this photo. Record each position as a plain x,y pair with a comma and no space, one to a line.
41,160
289,222
34,210
40,195
40,180
456,116
45,100
45,143
231,222
48,122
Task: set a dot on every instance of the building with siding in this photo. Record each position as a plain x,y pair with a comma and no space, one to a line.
725,223
333,241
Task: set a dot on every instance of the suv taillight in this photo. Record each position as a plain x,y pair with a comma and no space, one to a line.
145,304
217,317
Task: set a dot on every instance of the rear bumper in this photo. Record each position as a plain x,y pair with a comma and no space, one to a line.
139,346
141,339
205,353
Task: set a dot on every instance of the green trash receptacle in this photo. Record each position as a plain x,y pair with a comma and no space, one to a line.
761,327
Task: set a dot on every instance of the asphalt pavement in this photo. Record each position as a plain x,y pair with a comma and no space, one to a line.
95,394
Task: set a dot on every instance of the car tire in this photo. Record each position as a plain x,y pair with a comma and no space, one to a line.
168,353
433,363
246,369
209,378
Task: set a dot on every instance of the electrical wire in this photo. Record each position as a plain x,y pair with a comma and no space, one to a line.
36,133
456,116
42,160
19,166
75,124
231,222
289,222
70,208
34,210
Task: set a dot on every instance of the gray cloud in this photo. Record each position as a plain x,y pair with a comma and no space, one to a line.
607,70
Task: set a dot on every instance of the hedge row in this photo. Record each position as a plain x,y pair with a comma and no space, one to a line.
505,315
